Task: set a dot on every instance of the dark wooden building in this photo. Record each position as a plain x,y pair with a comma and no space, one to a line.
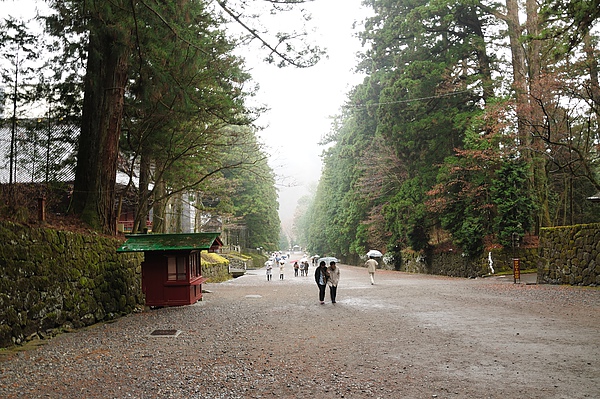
172,269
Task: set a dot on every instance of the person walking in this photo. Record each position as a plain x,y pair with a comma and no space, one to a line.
296,267
281,269
269,266
334,277
321,280
371,265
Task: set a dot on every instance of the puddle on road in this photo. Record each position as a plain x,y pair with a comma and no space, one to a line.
365,303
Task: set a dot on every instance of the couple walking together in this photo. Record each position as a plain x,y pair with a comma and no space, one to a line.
327,276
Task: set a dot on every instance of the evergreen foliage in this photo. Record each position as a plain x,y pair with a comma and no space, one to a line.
159,94
440,143
513,202
445,138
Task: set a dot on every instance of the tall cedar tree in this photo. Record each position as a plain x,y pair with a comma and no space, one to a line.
185,90
427,73
113,34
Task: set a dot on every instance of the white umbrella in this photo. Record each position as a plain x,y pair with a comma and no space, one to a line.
374,253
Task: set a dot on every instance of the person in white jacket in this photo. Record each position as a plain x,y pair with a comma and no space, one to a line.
371,265
269,266
334,279
281,269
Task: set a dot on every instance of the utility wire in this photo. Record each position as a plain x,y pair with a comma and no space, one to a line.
411,99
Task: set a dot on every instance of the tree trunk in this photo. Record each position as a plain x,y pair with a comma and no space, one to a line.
158,208
106,76
143,196
518,64
535,146
592,62
526,82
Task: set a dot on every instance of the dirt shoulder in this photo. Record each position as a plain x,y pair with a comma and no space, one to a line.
407,336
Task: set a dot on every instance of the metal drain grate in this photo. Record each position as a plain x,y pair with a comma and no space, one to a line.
165,333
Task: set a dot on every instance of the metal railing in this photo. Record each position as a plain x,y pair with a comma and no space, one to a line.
37,151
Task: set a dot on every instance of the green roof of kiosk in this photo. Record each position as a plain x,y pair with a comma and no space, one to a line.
168,242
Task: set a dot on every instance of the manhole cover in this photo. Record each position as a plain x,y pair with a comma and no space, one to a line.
165,333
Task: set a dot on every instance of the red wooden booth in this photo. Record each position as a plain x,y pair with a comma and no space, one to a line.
171,270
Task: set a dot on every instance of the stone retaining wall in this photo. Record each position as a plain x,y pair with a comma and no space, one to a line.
56,280
455,264
570,255
566,255
215,267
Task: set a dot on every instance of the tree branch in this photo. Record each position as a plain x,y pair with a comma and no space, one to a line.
273,48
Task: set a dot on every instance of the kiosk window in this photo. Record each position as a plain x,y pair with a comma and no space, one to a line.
176,270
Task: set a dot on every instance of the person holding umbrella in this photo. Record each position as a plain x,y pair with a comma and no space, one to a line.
269,266
371,265
321,280
281,269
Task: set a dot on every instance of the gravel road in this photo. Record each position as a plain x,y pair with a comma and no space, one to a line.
407,336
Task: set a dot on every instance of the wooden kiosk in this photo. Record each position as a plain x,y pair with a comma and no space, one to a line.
171,270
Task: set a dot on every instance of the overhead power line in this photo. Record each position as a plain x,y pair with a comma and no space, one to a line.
411,99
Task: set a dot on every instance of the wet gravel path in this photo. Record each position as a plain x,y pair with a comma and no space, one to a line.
407,336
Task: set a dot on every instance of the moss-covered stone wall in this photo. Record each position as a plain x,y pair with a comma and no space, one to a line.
215,268
566,255
53,280
570,255
455,264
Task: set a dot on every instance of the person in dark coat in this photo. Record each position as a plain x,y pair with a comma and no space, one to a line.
296,268
321,280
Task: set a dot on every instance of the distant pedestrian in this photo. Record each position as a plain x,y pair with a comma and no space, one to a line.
306,269
321,280
281,269
296,268
269,266
371,265
334,278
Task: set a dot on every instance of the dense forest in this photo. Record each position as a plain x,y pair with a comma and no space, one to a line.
476,125
156,93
